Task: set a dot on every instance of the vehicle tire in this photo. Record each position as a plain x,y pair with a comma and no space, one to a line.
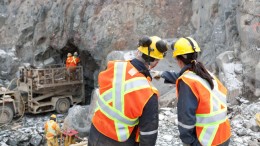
62,105
6,114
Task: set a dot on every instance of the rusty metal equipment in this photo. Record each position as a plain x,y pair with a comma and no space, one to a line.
51,88
68,137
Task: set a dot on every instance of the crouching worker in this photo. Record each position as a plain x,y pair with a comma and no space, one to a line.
52,130
127,106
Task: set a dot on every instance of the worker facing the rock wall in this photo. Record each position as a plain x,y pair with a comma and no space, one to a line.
68,60
127,109
71,65
202,102
75,60
52,130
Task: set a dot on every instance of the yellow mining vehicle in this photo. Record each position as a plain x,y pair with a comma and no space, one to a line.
51,88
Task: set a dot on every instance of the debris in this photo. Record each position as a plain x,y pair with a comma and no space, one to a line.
16,127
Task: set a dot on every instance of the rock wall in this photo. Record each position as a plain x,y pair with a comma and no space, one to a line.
230,25
42,29
42,32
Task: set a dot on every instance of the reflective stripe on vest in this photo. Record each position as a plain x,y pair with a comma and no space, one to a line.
50,129
116,95
210,121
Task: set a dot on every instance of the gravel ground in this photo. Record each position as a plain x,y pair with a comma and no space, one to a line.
245,132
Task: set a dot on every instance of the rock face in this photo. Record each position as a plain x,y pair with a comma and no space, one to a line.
42,32
230,25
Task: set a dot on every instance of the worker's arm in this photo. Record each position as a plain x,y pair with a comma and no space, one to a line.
57,128
148,122
45,128
170,76
187,105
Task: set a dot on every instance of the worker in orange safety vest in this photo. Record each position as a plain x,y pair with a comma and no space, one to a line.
127,106
202,98
52,129
69,60
75,59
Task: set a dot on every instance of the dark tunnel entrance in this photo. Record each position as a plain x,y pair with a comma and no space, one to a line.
89,64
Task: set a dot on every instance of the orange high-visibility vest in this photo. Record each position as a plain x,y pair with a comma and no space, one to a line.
212,124
74,61
51,129
123,93
68,61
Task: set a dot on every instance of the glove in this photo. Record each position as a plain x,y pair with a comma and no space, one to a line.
156,74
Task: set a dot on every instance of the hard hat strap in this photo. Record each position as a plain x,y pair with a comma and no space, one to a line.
192,45
149,57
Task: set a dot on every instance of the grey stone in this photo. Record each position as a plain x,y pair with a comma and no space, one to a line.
36,140
254,127
241,132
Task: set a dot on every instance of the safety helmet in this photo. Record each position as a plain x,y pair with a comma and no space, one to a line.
185,46
69,54
153,46
53,116
75,53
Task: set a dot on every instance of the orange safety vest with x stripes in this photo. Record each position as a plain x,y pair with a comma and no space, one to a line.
212,124
72,61
123,93
51,128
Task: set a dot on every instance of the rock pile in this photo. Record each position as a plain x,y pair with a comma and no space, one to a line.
245,131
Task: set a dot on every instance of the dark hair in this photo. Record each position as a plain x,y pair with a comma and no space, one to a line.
197,67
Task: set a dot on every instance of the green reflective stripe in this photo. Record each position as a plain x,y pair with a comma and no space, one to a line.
211,124
207,135
114,114
211,119
213,113
117,83
217,94
107,97
122,132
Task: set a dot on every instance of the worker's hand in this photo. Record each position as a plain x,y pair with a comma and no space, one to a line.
156,74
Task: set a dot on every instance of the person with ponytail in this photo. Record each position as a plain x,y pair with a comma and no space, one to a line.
202,104
127,103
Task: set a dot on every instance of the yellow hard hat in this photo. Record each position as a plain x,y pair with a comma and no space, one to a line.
75,53
185,46
69,54
53,116
157,47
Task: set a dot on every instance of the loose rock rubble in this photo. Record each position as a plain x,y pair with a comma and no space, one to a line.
245,131
29,131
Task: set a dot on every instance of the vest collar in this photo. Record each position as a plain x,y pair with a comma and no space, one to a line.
186,67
